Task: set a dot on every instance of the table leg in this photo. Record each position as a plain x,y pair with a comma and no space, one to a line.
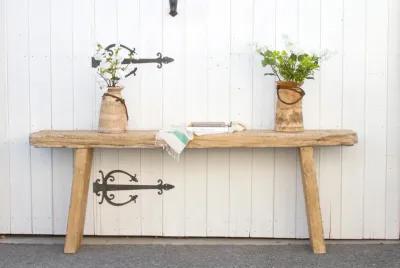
311,196
79,194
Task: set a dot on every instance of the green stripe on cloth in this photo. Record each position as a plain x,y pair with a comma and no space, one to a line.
181,136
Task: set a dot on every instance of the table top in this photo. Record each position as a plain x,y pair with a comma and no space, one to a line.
146,139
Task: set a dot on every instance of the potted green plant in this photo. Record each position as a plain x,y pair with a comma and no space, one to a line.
112,68
291,67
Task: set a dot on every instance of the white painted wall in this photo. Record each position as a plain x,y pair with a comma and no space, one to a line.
46,82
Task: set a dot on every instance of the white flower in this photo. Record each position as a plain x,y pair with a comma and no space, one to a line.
289,45
297,50
107,75
120,74
260,49
111,69
99,47
325,54
119,58
98,56
104,64
100,82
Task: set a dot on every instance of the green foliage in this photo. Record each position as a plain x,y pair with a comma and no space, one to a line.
111,68
290,66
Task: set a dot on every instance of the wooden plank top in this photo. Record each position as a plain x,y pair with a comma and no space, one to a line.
146,139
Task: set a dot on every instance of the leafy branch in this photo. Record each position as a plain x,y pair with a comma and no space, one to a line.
290,66
111,68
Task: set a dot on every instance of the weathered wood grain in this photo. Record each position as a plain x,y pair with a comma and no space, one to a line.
79,194
311,196
146,139
84,141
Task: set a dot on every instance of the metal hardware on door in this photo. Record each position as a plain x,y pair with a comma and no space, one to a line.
102,187
173,4
160,60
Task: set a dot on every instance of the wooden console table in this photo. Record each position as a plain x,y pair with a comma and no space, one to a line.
83,143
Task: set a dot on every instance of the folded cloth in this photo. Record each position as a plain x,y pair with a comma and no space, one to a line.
174,140
209,130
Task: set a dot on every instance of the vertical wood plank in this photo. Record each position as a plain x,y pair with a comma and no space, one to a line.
263,85
4,144
241,97
151,78
217,193
174,201
62,107
174,97
331,115
109,216
240,174
129,215
353,118
195,110
262,206
62,174
129,34
62,65
218,77
83,74
129,160
301,219
262,182
285,159
195,192
285,193
84,81
173,44
19,118
151,115
96,208
393,124
196,59
218,64
309,39
96,102
106,32
375,124
40,110
151,171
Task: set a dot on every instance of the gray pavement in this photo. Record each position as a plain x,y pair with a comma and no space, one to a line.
295,255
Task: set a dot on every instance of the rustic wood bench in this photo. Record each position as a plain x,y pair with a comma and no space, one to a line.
83,142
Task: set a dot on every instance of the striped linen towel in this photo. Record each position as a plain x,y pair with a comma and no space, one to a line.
174,140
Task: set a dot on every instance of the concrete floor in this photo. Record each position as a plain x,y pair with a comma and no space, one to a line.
139,252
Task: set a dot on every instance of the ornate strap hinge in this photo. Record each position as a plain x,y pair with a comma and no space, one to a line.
160,59
102,187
